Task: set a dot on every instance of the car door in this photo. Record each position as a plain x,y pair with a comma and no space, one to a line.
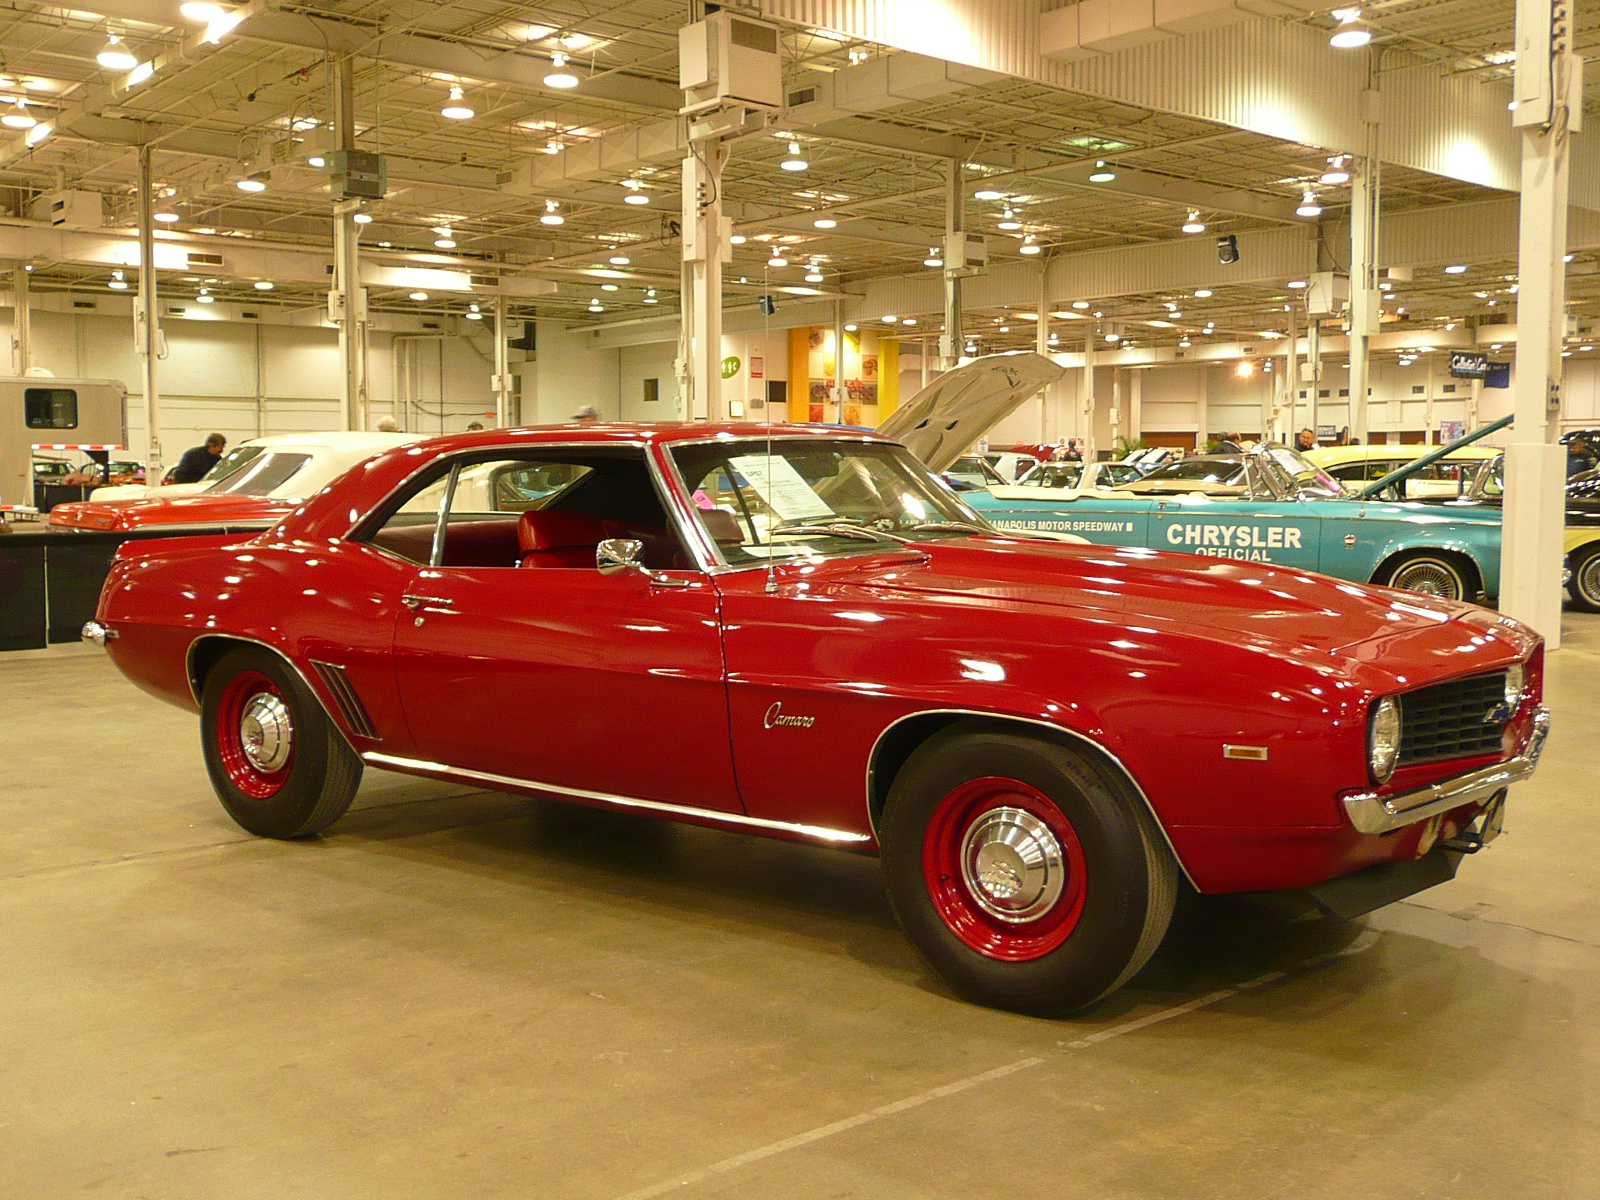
1263,526
537,667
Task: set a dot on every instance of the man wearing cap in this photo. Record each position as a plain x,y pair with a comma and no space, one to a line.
587,415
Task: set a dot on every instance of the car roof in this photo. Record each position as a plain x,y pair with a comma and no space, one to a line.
357,439
650,433
1333,456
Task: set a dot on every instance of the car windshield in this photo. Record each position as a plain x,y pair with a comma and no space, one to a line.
1053,475
805,497
1308,479
230,462
261,476
1196,474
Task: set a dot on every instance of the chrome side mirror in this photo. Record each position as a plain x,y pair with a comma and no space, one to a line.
617,555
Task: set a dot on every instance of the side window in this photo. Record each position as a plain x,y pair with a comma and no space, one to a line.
408,530
51,408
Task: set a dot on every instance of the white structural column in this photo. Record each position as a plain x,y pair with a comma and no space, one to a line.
1091,335
347,304
951,341
502,364
1288,415
21,322
838,359
1314,361
1364,192
1547,74
146,320
1041,345
705,248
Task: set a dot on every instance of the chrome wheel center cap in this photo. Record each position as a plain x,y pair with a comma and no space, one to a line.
1013,865
265,732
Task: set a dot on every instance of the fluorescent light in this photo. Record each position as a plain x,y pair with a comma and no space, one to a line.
456,108
1457,269
559,76
1102,173
263,285
794,162
251,183
166,218
1194,224
201,12
116,56
825,223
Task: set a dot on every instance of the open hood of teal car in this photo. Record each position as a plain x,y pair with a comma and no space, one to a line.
945,419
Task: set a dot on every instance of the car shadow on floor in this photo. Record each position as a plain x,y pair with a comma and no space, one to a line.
786,891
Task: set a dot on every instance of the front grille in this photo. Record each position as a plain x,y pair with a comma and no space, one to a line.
1460,719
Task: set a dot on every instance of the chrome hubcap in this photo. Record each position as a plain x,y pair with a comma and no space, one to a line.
1429,579
1012,864
265,732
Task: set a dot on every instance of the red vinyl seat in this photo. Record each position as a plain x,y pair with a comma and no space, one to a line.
560,539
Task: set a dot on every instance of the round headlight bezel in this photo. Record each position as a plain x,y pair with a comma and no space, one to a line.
1516,680
1383,739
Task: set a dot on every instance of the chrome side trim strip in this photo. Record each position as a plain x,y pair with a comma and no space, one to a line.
872,765
1372,813
422,766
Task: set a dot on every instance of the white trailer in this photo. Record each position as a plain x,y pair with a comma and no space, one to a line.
46,411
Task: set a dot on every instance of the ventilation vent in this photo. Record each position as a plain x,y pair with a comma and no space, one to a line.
802,96
204,260
350,707
430,324
89,304
484,280
176,310
250,316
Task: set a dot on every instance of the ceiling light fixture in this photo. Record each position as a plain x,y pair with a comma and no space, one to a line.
1337,174
1102,173
825,223
417,296
935,257
318,161
608,287
201,12
814,276
445,241
116,56
635,195
890,319
117,282
777,261
206,297
737,239
362,218
559,77
1194,224
165,217
1080,304
596,306
1309,206
1202,294
1029,246
552,214
263,285
619,260
251,183
1457,269
794,162
988,194
456,108
1009,221
1352,32
18,117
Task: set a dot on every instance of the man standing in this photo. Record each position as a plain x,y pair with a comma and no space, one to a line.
1305,440
587,415
197,460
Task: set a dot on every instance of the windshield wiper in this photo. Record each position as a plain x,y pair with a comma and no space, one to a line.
860,533
951,527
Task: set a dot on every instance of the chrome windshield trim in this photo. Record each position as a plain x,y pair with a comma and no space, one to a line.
424,767
1372,813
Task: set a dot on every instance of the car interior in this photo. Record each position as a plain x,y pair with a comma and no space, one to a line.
532,511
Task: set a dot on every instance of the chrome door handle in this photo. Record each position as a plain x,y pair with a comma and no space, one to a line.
416,602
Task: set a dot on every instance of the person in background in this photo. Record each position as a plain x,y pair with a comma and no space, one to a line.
475,427
1229,443
197,460
1305,440
388,425
587,415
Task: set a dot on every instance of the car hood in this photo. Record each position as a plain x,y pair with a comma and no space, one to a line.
1288,612
945,419
198,509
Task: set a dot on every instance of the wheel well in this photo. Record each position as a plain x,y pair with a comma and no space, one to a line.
1460,560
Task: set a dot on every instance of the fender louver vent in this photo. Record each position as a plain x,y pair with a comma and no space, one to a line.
345,697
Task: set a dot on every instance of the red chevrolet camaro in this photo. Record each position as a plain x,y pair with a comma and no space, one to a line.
802,633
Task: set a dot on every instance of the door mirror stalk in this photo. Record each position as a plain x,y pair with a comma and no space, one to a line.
625,556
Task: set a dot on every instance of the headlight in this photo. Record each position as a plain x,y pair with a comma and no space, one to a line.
1513,686
1383,739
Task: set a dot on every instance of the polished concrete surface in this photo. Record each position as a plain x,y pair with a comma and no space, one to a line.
460,993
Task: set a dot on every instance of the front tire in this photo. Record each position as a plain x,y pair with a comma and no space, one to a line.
1584,585
280,767
1430,575
1025,876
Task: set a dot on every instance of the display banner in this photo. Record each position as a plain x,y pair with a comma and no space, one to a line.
1465,364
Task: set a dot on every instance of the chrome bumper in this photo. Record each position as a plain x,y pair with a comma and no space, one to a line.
1372,813
97,633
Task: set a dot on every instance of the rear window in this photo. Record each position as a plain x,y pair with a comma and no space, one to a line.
231,462
261,476
51,408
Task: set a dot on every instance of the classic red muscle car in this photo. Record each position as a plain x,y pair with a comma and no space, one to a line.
803,633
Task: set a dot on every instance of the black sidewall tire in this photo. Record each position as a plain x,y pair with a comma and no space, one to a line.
1580,600
1131,876
324,774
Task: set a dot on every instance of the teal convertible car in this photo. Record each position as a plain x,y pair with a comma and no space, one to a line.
1270,505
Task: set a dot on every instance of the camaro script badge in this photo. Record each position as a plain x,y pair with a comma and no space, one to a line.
777,719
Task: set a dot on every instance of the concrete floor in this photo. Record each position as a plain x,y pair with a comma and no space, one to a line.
466,994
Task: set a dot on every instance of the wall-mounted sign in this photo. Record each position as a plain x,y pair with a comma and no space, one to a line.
1499,375
730,366
1466,364
758,366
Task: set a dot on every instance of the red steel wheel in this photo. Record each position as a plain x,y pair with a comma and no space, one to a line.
1005,869
255,734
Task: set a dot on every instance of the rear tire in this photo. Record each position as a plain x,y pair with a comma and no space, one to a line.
1026,877
280,767
1584,585
1438,575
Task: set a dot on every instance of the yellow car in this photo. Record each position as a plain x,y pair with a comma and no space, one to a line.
1450,477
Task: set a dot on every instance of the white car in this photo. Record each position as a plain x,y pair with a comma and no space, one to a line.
284,464
1068,477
